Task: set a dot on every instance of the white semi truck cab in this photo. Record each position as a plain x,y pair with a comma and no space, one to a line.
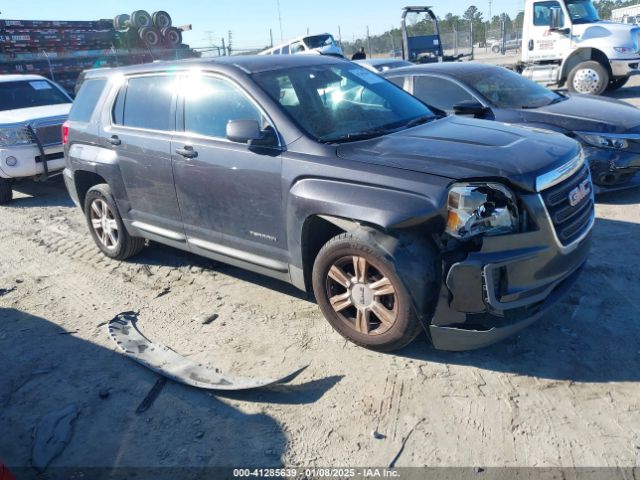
564,42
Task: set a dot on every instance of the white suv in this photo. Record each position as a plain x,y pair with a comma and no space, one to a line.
32,111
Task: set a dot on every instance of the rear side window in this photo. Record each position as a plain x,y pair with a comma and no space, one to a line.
439,92
86,100
399,81
146,102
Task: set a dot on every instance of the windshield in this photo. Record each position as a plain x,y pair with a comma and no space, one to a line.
582,11
319,41
506,89
27,94
335,103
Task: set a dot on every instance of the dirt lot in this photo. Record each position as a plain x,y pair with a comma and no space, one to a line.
563,393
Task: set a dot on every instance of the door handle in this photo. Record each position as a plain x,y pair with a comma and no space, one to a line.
187,152
530,45
114,140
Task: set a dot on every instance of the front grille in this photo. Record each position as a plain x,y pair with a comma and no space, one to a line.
49,135
570,221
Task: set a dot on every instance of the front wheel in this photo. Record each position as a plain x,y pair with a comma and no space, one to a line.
360,294
617,83
496,49
6,192
588,78
106,225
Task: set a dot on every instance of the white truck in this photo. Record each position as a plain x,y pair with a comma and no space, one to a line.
565,43
32,111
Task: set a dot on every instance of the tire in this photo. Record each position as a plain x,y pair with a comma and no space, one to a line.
172,36
150,36
6,192
617,83
98,204
496,49
588,78
161,19
120,22
141,19
334,283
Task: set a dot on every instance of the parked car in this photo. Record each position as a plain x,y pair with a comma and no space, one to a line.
32,110
323,44
378,65
609,130
515,44
394,217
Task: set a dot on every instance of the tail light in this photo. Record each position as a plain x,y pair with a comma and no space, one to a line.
65,133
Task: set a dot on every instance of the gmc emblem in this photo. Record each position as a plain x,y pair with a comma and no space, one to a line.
579,193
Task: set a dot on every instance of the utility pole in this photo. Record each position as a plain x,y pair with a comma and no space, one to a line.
368,41
280,21
271,36
490,17
230,42
339,36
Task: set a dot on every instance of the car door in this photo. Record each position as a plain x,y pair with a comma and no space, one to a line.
230,194
441,92
142,124
544,43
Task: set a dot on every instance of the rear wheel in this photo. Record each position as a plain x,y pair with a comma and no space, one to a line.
617,83
588,78
496,49
361,295
106,226
6,192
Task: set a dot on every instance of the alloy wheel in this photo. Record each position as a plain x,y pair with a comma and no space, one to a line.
104,224
361,295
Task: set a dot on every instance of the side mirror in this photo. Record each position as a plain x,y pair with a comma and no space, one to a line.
555,20
243,131
470,107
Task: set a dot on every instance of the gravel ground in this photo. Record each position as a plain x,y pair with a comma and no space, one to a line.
563,393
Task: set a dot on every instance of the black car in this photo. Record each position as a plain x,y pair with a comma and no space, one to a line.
394,217
609,130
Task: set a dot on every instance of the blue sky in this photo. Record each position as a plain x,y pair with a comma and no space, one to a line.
250,20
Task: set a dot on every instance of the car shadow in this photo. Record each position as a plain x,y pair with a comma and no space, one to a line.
45,369
630,196
624,93
157,254
590,336
51,193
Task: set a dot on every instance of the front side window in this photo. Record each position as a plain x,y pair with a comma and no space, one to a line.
30,93
506,89
440,92
297,47
542,13
343,102
211,103
146,102
285,50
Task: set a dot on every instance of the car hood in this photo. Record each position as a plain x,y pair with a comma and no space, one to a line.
585,113
25,115
464,149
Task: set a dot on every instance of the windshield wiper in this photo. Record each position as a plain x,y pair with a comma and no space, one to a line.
355,136
420,120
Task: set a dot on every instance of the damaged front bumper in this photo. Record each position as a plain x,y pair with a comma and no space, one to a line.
508,284
613,169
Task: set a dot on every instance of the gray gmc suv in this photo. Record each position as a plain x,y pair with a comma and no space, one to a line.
318,172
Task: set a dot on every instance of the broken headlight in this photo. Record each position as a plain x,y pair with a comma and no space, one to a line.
603,141
481,209
12,136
